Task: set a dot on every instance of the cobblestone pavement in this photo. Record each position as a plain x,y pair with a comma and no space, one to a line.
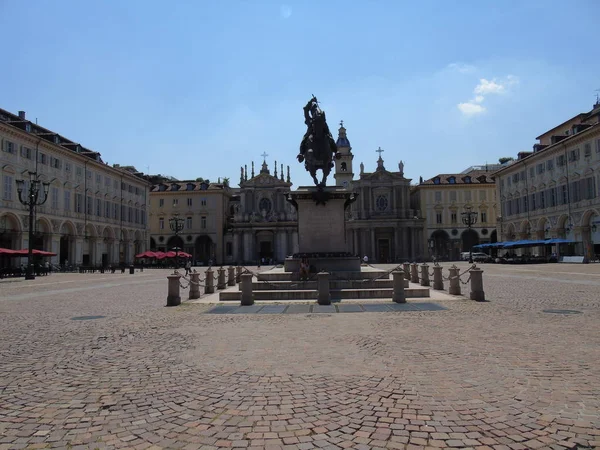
501,374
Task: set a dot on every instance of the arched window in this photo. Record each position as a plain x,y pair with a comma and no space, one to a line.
264,204
381,202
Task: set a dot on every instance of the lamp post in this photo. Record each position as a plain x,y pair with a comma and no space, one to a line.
469,218
32,199
176,225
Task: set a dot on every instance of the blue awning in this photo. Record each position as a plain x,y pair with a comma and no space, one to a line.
558,241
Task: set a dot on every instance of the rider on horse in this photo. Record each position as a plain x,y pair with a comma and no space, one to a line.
317,144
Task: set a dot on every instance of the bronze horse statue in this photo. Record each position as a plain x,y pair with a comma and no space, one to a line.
318,148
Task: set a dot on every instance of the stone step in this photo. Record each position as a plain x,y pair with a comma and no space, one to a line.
376,293
293,276
310,294
333,284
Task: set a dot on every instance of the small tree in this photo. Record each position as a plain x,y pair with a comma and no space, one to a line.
505,159
226,181
200,179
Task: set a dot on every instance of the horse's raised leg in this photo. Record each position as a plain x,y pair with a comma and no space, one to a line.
313,174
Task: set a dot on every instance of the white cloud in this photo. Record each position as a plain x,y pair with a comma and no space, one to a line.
461,68
484,88
471,108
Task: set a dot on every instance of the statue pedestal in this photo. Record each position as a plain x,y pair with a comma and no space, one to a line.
322,229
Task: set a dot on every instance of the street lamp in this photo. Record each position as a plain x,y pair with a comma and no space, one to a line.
469,218
176,225
32,199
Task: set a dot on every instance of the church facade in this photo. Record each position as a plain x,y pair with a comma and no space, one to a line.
262,225
381,224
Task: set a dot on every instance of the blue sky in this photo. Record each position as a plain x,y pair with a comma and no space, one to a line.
199,88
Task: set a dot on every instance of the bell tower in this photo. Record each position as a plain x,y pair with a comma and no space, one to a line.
343,166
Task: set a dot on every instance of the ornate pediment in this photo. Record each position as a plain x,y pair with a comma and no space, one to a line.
381,176
265,180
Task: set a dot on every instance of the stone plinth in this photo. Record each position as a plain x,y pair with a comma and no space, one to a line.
329,264
322,229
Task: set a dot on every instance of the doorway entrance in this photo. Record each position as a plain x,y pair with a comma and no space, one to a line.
384,250
266,250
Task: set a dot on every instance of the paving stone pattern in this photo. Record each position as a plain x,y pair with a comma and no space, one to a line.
497,375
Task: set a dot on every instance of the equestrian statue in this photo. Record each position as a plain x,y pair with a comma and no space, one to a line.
318,148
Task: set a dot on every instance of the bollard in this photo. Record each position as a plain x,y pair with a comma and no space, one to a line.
438,279
238,274
231,276
221,283
194,285
131,270
323,287
424,275
454,287
209,287
414,273
399,295
246,285
173,297
406,267
477,284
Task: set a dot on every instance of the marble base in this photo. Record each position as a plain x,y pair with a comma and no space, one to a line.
321,218
328,264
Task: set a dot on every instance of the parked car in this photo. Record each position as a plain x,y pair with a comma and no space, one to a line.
464,256
481,257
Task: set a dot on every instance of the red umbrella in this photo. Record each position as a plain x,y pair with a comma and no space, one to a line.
8,251
160,255
43,253
35,251
146,254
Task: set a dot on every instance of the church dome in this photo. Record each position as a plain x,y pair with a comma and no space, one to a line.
342,140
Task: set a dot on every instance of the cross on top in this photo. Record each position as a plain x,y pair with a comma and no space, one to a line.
379,150
264,155
341,123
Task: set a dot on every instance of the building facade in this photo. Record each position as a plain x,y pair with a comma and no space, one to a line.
382,224
554,191
263,225
95,214
444,198
203,208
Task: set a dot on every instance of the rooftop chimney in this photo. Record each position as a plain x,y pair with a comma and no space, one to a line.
22,115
